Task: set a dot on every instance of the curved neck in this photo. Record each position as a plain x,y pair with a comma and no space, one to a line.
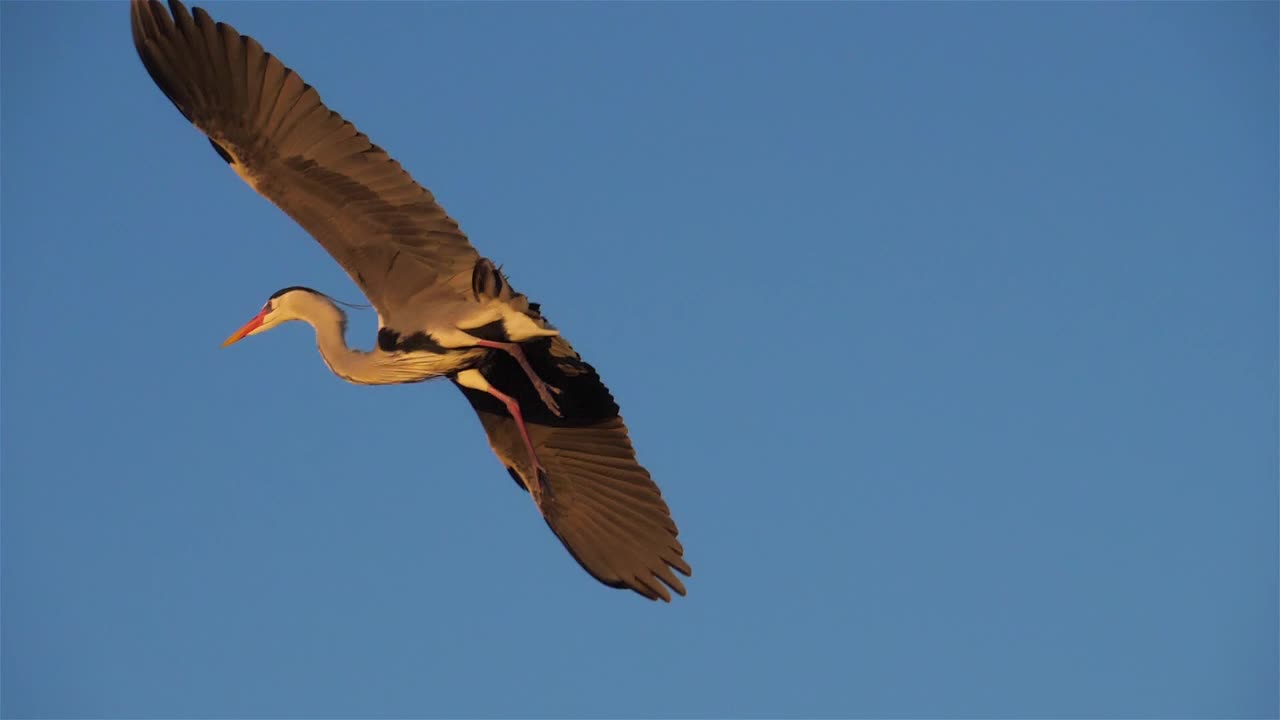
370,368
330,324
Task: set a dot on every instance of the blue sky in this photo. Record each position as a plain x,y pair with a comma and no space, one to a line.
949,332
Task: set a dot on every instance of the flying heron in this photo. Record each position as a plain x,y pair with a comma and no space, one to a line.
443,310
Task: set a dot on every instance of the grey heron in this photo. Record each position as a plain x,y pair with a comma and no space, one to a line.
443,310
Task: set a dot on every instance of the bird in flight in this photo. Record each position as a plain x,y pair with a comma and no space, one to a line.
443,310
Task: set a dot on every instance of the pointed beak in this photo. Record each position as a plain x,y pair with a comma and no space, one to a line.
249,327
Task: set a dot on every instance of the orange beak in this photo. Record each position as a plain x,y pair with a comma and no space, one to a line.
249,327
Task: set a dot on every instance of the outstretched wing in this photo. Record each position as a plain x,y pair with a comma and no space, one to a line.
600,501
386,230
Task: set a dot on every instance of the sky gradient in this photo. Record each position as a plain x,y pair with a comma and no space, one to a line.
948,331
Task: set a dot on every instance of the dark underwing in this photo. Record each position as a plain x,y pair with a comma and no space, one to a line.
392,341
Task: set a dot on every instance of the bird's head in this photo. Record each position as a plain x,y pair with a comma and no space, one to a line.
288,304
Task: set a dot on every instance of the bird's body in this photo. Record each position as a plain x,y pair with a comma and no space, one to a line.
444,311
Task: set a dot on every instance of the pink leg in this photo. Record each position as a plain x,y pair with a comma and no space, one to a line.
513,407
544,390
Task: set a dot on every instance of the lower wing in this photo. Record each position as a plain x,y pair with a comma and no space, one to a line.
599,500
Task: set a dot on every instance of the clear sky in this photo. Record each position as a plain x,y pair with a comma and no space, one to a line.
948,331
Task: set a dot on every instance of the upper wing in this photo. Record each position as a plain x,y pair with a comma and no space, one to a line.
600,501
386,230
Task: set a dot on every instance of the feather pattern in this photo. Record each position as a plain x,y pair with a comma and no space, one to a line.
599,500
278,136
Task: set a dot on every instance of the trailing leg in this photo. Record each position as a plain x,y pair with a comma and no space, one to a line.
474,380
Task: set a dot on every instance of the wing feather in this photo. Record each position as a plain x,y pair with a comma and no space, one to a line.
279,136
600,502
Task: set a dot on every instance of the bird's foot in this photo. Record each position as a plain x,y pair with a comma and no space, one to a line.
546,392
541,488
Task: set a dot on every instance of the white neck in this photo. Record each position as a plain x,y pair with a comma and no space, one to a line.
360,367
